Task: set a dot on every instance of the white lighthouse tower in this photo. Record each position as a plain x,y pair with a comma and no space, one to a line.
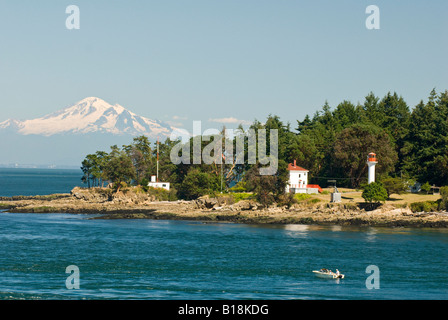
371,162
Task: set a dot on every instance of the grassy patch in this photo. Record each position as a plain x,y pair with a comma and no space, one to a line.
400,205
301,196
242,196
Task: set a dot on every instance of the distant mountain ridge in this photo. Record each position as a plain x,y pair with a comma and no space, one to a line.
90,115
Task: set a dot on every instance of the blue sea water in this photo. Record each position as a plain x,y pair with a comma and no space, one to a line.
155,259
30,182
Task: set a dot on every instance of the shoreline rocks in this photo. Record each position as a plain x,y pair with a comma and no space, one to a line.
138,205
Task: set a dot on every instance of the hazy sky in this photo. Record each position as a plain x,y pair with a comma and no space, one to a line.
188,60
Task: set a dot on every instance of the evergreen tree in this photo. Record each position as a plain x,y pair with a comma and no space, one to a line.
352,146
119,168
346,114
425,149
371,111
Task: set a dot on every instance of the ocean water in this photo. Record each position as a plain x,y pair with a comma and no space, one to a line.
30,182
155,259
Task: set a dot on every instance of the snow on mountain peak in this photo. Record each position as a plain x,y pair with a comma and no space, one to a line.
90,114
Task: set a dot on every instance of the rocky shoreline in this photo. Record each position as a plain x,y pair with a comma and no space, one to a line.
130,205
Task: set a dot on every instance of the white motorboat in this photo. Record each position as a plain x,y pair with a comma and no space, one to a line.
326,274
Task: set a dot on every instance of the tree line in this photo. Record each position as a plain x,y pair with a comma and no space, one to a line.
411,145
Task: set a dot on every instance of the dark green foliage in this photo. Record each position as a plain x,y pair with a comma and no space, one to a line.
444,200
352,146
374,192
424,206
93,168
268,188
198,183
139,152
286,199
394,185
426,145
120,169
426,187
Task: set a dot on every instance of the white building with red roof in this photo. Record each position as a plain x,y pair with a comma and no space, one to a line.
298,180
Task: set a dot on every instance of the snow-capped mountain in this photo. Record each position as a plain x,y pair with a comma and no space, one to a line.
90,115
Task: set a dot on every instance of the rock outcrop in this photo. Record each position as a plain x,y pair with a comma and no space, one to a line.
135,204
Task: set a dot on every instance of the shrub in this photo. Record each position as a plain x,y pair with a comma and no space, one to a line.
426,187
197,183
374,192
242,196
119,185
144,184
424,206
444,201
265,197
172,194
158,193
394,185
239,187
287,199
268,188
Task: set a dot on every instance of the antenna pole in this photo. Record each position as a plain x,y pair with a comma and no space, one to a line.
157,159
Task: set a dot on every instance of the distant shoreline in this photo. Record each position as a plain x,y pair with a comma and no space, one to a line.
137,206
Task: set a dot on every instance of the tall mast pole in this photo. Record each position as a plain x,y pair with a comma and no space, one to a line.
222,163
157,159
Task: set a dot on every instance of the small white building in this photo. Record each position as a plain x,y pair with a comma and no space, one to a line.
155,184
298,179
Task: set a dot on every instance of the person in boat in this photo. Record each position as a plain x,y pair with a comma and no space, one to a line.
337,272
324,270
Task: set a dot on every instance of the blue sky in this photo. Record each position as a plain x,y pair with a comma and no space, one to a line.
181,61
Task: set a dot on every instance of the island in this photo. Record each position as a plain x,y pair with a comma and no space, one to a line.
132,203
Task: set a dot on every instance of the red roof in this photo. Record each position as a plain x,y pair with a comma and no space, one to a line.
295,167
316,186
